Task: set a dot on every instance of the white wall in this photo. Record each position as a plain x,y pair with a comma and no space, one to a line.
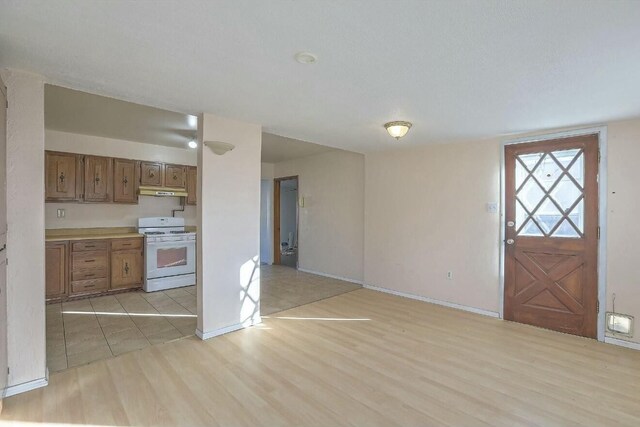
330,227
25,236
425,215
623,226
78,215
266,221
228,226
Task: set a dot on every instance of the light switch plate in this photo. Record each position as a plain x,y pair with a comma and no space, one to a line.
60,213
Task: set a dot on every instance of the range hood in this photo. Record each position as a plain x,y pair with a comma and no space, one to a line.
162,191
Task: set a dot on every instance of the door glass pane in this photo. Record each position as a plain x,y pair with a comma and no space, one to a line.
172,257
566,193
577,216
548,185
565,156
530,229
521,215
565,230
577,170
521,174
547,215
530,194
530,160
547,172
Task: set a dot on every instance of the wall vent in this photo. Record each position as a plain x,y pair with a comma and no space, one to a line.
620,324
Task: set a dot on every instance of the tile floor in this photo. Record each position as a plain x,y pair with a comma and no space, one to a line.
82,331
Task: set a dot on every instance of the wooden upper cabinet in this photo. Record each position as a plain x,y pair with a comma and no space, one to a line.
98,174
192,185
125,182
175,176
63,177
56,269
151,174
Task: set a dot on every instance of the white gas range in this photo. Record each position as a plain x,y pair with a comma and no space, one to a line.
170,253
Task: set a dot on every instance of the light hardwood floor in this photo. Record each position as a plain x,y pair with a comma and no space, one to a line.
361,358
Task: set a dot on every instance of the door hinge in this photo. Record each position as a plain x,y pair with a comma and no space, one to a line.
598,306
599,156
598,232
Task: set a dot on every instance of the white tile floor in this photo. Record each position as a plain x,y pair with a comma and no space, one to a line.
82,331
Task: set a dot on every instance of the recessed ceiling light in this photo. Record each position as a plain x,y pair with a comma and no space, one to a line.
193,144
306,58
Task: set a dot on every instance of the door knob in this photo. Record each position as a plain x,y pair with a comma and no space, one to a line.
510,224
509,241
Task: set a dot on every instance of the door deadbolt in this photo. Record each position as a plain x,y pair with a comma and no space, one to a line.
511,224
509,241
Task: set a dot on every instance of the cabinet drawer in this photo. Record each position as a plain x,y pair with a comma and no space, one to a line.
92,285
89,273
126,244
89,260
89,245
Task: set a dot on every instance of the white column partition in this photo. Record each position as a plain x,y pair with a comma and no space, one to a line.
228,226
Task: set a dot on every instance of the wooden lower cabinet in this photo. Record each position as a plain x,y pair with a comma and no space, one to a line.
126,266
56,260
90,267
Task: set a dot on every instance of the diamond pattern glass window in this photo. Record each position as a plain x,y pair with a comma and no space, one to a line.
550,194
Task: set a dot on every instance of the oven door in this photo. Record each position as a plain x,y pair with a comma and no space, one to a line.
170,258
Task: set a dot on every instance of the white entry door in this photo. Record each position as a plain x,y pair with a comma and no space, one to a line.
3,239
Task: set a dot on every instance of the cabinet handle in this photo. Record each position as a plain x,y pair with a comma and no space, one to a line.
61,177
151,174
175,177
89,260
89,286
90,275
90,246
126,244
126,268
97,179
125,180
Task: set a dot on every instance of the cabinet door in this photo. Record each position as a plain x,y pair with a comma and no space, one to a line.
62,177
192,185
125,188
97,178
151,174
175,176
56,269
126,269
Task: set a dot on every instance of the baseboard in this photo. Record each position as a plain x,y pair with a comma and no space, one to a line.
435,301
622,343
227,329
28,386
331,276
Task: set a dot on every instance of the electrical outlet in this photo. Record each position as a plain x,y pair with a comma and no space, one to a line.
450,275
60,213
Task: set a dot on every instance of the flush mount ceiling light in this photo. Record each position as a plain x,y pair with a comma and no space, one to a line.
193,144
306,58
219,147
397,129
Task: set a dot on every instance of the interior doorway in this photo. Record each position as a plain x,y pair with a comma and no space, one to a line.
551,234
285,227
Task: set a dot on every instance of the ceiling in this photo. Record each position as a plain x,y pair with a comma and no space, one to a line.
74,111
457,69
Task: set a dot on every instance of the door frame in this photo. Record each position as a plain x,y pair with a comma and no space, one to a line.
601,131
276,219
